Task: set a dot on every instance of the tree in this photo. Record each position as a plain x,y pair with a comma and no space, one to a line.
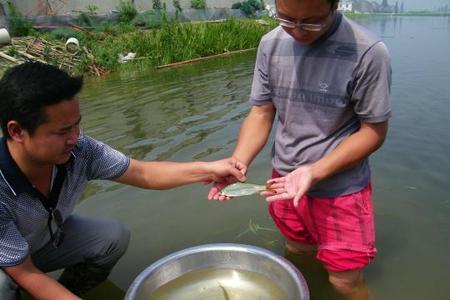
385,6
396,7
198,4
177,5
156,4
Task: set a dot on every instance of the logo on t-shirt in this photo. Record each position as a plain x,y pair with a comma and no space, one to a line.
323,87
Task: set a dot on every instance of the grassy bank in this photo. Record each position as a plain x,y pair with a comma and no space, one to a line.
172,42
176,41
162,42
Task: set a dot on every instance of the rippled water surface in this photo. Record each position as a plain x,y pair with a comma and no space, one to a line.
194,113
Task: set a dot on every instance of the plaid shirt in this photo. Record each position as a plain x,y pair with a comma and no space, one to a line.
23,218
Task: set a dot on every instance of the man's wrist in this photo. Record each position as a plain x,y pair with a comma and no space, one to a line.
318,172
206,171
241,160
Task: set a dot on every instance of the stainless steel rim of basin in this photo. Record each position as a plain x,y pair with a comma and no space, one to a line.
293,272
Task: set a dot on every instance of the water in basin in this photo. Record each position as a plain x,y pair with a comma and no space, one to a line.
220,284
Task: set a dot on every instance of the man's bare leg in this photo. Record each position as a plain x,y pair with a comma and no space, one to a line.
303,256
350,284
298,248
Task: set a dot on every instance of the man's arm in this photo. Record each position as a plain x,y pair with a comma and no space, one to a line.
351,150
347,154
37,284
253,135
165,175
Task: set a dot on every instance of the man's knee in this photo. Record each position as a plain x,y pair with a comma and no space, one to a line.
9,290
300,249
119,235
346,282
111,241
99,236
108,241
117,238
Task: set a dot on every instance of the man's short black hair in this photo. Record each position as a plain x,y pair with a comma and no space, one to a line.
26,89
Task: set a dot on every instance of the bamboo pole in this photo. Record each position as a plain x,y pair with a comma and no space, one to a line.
30,56
203,58
7,57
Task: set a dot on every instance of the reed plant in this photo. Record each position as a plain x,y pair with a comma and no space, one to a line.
127,11
18,25
176,41
172,41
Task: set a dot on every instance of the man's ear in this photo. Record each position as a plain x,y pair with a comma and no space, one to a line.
16,132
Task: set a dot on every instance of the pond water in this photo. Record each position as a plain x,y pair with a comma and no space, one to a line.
194,113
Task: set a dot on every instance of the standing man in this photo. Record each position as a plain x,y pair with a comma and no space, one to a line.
326,81
45,164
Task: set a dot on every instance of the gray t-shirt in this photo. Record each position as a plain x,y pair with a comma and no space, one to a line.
321,93
23,218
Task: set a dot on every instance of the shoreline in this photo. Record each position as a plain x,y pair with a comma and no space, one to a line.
121,47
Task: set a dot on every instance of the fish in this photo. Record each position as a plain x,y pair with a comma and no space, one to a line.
225,293
243,189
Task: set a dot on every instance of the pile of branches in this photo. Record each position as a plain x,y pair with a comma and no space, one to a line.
55,53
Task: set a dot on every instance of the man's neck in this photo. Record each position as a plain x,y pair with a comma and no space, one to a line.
37,173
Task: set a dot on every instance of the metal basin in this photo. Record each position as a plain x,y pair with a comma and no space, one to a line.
235,256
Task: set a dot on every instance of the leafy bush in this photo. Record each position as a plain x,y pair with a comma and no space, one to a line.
177,5
156,4
198,4
127,11
250,7
65,33
115,29
12,51
18,26
84,19
148,19
87,17
92,9
236,5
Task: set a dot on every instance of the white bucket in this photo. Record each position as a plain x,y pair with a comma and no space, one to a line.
72,45
5,39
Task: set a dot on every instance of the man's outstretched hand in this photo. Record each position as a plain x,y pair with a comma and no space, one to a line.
222,179
292,186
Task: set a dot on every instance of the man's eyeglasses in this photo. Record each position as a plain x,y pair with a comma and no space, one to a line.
55,237
302,25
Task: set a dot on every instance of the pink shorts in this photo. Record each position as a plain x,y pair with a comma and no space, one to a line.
341,227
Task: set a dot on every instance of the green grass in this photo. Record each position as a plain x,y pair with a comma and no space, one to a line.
172,41
176,41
